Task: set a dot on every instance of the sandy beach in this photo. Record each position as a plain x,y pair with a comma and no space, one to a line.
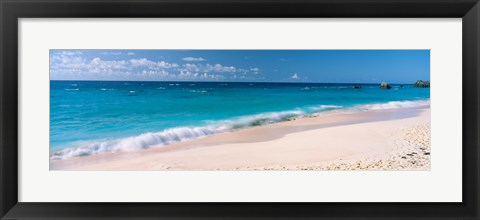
385,139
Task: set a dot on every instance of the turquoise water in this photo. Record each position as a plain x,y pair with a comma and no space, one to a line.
88,117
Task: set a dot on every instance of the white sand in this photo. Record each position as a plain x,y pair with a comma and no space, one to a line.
395,139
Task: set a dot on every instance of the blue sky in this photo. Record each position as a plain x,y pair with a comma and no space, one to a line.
328,66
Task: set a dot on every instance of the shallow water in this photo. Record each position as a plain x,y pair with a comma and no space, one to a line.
95,116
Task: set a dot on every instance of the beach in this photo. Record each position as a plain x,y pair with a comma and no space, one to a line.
374,139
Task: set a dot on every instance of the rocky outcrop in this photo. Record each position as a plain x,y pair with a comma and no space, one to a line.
385,85
421,84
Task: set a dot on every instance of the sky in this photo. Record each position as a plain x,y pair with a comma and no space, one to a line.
316,66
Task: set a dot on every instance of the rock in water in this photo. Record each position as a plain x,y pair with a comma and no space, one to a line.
385,85
356,87
421,84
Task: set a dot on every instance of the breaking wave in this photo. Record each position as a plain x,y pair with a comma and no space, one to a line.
179,134
394,105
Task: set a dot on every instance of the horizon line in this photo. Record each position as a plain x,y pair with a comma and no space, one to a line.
231,81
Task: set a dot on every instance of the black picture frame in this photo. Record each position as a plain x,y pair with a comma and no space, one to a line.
12,10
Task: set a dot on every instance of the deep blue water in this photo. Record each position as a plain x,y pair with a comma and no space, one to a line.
95,116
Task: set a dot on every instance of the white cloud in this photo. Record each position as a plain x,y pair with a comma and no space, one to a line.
151,64
142,62
220,68
187,75
295,76
191,67
117,53
103,65
69,53
167,65
255,70
112,53
75,65
155,74
209,68
190,59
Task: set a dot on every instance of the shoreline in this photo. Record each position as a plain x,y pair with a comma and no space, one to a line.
188,133
384,139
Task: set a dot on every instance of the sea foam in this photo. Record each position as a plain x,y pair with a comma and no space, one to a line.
174,135
179,134
395,105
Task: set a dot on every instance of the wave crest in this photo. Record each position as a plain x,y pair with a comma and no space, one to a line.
174,135
179,134
396,105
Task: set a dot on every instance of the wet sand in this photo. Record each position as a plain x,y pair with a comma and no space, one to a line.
388,139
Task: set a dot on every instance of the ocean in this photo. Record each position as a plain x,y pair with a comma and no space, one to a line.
89,117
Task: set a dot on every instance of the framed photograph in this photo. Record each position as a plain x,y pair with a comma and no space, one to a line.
225,109
124,110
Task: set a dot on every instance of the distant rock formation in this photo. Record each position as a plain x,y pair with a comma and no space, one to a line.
356,87
385,85
421,84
